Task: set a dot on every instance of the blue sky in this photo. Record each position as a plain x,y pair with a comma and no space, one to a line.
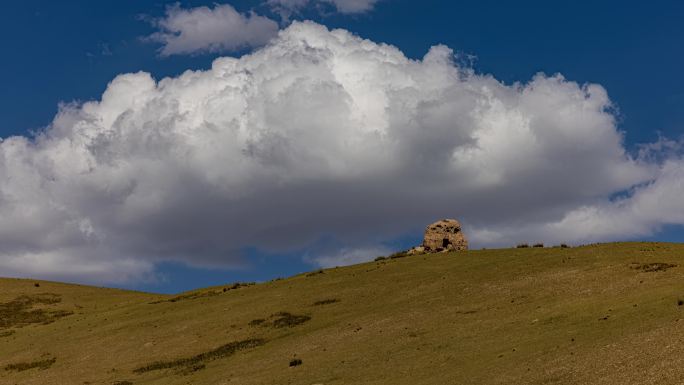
58,49
63,52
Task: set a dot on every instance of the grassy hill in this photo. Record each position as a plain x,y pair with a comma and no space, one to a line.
600,314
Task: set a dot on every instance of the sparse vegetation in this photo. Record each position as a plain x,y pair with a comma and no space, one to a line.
652,267
380,258
399,254
20,311
238,285
256,322
284,319
564,246
6,333
22,366
315,273
191,296
123,383
280,320
326,301
522,246
398,324
204,294
538,245
197,362
295,362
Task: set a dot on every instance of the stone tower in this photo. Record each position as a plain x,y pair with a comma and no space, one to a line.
444,236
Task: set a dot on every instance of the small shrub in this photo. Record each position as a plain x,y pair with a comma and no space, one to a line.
295,362
315,273
398,254
523,246
284,319
36,284
680,302
21,366
326,302
256,322
378,259
564,246
538,245
238,285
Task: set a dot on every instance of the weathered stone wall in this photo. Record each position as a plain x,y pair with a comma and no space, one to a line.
443,236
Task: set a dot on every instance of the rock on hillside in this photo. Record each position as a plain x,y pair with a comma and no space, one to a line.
442,236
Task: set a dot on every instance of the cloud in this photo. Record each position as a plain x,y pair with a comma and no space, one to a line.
320,135
215,30
642,213
348,256
288,7
353,6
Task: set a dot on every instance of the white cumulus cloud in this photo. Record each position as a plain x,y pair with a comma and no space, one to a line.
288,7
319,135
204,29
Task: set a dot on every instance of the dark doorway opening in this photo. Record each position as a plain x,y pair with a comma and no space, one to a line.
445,243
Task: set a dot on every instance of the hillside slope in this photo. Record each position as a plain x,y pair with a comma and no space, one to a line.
600,314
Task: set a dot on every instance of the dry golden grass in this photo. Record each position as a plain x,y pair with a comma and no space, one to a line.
601,314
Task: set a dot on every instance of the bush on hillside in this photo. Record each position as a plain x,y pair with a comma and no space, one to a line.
398,254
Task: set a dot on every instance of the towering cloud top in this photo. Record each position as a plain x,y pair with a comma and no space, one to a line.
318,134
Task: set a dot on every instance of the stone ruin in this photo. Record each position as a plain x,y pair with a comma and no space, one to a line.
441,237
